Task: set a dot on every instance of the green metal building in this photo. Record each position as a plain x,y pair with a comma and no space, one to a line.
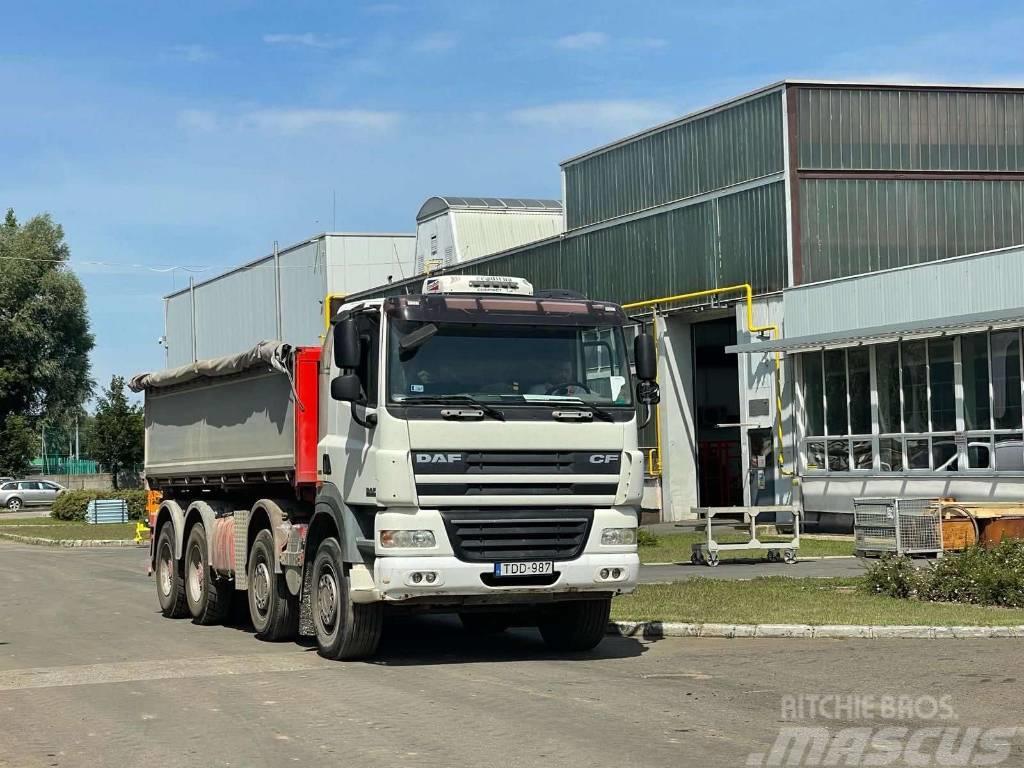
795,184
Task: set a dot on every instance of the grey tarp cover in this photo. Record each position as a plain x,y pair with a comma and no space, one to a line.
276,354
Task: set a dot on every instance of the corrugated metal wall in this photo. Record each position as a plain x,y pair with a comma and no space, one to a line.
303,287
734,239
727,147
894,129
239,309
178,329
891,177
851,226
235,311
989,282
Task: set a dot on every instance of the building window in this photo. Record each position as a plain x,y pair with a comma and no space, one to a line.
945,404
433,245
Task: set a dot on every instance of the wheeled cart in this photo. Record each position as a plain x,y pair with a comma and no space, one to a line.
710,519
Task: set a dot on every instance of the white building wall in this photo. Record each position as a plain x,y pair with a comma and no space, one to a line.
435,243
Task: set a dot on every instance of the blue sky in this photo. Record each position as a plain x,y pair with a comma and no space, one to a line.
197,133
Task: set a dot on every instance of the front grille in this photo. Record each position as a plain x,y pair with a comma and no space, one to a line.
491,535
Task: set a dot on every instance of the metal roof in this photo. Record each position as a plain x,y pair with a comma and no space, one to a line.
437,205
779,85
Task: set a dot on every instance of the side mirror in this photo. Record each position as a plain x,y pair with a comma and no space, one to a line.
648,392
346,388
346,344
645,358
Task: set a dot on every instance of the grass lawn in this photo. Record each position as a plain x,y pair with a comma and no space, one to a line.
676,547
50,528
780,600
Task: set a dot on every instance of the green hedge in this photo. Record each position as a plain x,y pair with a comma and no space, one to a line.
71,505
979,576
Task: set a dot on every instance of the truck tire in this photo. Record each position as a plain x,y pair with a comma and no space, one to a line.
170,587
274,612
344,630
208,598
485,623
576,626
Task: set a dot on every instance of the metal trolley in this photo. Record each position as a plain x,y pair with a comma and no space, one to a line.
724,518
899,526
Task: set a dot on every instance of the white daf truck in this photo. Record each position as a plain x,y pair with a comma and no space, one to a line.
471,449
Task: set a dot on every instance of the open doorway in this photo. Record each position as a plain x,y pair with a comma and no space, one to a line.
717,414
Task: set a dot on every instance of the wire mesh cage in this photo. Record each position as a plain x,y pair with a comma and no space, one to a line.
900,526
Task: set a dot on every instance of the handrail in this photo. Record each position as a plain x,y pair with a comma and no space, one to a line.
773,329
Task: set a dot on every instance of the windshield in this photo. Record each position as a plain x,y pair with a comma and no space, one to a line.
511,363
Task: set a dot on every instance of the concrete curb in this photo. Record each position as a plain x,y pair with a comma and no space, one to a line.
659,629
39,540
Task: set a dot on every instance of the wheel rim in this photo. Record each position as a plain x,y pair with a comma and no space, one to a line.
196,575
261,586
327,598
14,504
165,570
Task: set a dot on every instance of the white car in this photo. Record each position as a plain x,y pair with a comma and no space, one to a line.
16,494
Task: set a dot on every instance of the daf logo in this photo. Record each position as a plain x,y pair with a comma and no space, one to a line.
604,458
438,458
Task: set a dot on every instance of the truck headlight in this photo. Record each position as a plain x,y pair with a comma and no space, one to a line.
614,537
406,539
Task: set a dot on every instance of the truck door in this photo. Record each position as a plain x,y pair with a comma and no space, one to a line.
350,434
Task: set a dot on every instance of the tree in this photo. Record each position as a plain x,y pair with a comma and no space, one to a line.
44,327
17,446
117,435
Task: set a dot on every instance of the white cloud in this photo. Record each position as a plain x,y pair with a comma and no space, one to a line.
307,39
439,41
291,121
617,114
192,53
582,41
198,120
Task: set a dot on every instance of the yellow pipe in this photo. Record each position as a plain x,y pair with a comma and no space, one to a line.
748,292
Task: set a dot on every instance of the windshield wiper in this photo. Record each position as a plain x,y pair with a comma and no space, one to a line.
575,402
490,410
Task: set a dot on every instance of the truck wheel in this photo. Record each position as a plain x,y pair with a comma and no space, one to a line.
344,630
170,589
576,626
485,623
209,599
274,612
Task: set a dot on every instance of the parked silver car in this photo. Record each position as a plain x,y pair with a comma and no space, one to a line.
24,493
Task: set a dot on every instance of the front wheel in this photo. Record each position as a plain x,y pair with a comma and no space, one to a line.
274,612
576,626
14,504
344,630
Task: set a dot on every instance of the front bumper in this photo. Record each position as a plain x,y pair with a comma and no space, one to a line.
392,577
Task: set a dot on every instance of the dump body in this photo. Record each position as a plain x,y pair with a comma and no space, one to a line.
243,427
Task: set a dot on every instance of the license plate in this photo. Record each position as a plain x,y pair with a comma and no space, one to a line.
528,568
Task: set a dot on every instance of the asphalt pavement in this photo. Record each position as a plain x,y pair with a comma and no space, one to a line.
92,675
